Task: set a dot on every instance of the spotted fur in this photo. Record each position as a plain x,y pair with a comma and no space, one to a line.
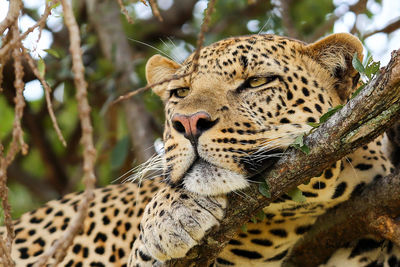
247,101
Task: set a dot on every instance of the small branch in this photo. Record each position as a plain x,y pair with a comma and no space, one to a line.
155,10
59,249
125,12
393,26
17,144
5,49
361,120
47,90
12,15
5,255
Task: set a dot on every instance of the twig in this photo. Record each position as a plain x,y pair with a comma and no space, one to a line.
10,45
59,249
393,26
155,10
12,15
47,91
17,142
5,255
199,44
125,12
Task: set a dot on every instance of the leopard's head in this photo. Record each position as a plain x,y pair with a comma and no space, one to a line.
247,101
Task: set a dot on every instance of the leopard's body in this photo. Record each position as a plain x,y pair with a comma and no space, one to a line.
247,101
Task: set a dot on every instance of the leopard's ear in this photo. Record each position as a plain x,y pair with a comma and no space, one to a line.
159,68
335,53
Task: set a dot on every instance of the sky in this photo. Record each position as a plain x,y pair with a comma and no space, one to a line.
380,45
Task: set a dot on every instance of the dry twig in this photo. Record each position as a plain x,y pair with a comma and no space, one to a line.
391,27
60,248
10,45
155,10
12,15
47,91
125,12
17,143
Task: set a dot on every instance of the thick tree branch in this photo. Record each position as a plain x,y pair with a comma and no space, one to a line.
367,213
361,120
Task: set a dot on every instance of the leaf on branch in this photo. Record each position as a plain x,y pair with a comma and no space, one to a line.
357,64
299,144
263,188
243,228
41,67
52,52
297,195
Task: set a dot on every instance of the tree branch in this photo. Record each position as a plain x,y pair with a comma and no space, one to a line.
361,120
363,214
391,27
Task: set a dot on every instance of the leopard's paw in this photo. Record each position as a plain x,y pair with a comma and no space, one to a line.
176,220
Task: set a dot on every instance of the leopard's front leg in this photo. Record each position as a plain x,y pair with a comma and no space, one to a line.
173,222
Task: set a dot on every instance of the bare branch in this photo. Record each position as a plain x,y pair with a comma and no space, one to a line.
391,27
47,90
156,11
10,45
89,153
12,15
361,120
125,12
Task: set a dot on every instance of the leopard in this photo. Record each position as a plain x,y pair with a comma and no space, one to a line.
231,111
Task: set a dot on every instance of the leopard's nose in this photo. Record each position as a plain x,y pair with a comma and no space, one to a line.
192,126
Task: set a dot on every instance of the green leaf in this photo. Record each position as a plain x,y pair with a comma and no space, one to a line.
119,153
297,195
244,228
299,144
52,52
330,112
357,64
314,124
260,216
263,188
41,67
253,219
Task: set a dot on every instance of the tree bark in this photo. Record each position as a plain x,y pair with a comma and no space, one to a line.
361,120
349,221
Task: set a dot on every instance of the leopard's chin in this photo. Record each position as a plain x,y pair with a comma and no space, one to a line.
205,178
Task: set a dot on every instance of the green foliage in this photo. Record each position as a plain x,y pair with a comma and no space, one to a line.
264,189
326,116
297,195
7,118
299,144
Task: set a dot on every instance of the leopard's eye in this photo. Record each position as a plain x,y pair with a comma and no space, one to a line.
257,81
180,92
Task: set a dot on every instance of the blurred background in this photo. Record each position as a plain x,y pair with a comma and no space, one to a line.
115,53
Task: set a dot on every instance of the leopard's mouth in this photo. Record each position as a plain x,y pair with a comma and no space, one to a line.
206,178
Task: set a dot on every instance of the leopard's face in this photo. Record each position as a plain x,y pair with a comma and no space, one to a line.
248,100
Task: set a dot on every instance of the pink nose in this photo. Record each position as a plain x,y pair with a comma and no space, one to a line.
192,126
